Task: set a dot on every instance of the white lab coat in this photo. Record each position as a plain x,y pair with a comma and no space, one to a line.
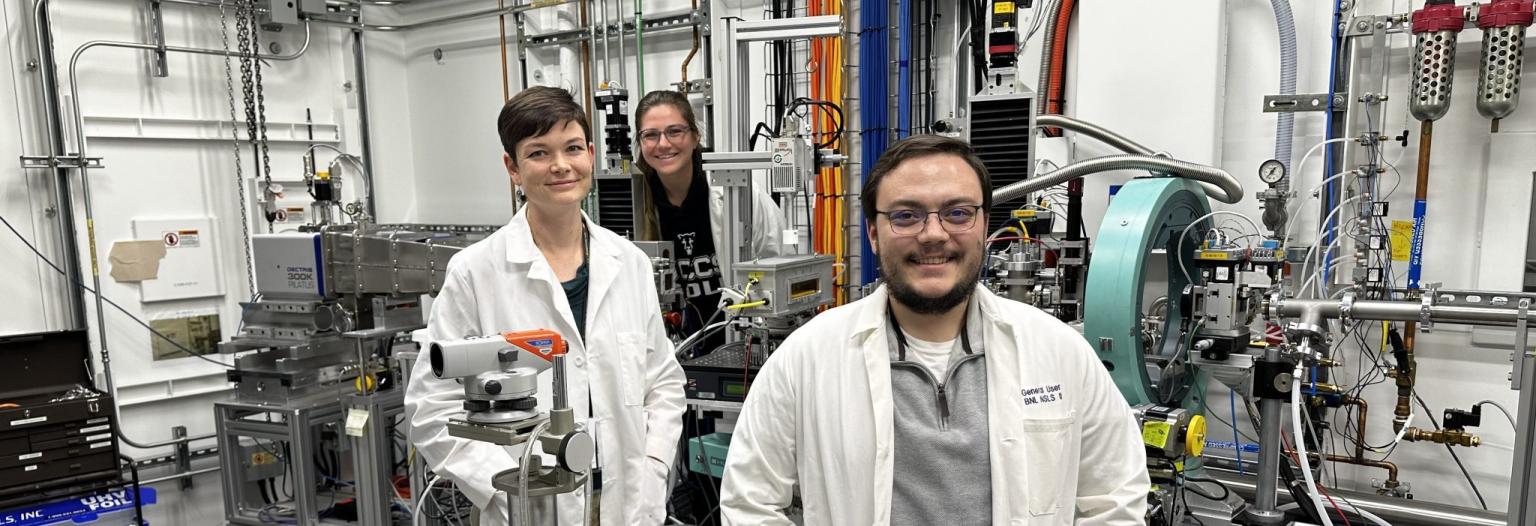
767,222
820,415
627,368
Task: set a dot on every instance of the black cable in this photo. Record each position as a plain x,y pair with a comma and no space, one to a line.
78,283
761,130
1431,416
805,192
836,111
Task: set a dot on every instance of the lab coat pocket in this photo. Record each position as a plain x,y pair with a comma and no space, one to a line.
1045,443
631,357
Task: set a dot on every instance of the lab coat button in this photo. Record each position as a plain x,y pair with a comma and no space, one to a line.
579,361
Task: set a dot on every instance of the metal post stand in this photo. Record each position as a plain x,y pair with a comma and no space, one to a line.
371,454
293,424
1270,411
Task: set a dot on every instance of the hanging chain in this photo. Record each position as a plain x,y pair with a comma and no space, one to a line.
234,131
261,99
242,24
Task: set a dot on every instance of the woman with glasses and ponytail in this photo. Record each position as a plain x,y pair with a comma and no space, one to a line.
678,205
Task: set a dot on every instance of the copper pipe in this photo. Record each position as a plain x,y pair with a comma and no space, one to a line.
506,87
1405,382
1426,133
691,52
1360,421
586,68
1391,468
1390,483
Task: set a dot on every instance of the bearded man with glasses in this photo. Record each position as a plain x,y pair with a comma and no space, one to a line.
932,400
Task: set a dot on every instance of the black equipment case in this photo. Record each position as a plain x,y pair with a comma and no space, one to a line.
56,431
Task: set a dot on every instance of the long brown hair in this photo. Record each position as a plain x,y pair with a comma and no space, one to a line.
650,223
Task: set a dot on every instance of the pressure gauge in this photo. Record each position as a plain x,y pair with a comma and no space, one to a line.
1272,171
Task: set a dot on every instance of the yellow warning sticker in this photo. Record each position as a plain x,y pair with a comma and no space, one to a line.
1155,434
1002,8
1022,214
1402,239
1213,255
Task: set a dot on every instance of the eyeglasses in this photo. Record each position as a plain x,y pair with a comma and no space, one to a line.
954,219
651,136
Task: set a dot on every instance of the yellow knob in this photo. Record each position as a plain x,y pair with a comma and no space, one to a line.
365,383
1194,436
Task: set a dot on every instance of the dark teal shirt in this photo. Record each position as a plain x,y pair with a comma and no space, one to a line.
576,295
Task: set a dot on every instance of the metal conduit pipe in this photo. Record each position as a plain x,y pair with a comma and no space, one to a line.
1221,185
179,476
41,12
1400,512
344,8
465,17
1095,131
1394,311
54,128
167,442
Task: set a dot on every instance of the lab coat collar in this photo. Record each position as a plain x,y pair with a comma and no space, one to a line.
872,318
602,263
521,249
975,341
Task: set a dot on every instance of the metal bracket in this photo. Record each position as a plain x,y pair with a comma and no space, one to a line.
1426,306
730,178
1301,102
1369,25
183,456
1522,344
157,33
61,161
675,20
696,86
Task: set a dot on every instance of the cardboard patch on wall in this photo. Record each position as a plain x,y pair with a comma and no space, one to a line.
199,334
136,260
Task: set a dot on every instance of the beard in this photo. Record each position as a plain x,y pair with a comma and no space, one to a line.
903,293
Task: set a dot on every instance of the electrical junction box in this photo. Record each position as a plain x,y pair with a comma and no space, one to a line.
289,265
789,284
791,158
286,12
191,265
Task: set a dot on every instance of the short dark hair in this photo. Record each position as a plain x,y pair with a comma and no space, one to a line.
535,111
916,147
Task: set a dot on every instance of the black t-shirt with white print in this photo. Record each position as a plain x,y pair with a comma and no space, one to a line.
698,270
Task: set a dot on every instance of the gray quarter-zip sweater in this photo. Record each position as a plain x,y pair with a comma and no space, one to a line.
942,469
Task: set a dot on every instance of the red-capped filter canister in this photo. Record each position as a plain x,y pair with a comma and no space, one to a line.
1498,76
1434,53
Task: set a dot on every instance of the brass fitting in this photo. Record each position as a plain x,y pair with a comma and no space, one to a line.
1443,436
1322,388
1400,413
